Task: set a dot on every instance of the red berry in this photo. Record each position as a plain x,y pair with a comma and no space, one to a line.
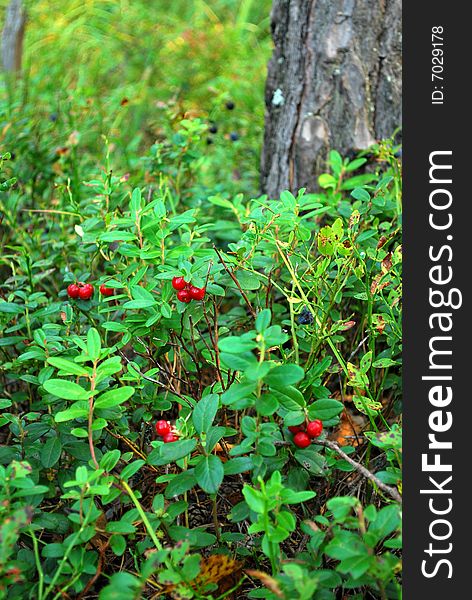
73,290
197,293
314,428
169,437
106,291
178,283
184,296
295,428
86,292
162,427
301,439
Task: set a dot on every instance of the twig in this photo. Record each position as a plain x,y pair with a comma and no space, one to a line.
391,491
233,277
359,346
140,373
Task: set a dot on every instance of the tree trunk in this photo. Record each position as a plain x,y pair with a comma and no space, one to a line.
334,81
12,36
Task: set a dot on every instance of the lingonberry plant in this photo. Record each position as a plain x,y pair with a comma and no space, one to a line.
223,419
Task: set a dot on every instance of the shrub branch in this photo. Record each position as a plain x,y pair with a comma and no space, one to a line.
391,491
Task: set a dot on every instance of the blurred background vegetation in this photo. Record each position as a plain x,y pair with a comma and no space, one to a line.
124,73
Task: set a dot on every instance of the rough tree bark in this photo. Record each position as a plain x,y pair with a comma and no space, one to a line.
12,36
334,81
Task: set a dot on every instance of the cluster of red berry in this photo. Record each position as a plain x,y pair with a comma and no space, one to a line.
164,431
84,291
301,437
187,292
81,290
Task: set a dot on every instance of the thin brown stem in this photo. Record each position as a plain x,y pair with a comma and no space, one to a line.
391,491
236,282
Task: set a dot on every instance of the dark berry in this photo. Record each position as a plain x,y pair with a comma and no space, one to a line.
209,141
162,427
233,136
305,317
197,293
73,290
301,439
178,283
106,291
230,105
314,428
295,428
169,437
86,291
184,296
213,128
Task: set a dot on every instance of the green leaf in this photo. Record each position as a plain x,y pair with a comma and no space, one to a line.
67,390
11,307
77,411
312,460
131,469
118,544
326,241
327,181
94,345
355,164
292,497
254,498
366,406
109,460
234,344
238,362
360,194
356,565
383,363
366,361
191,567
266,405
171,452
358,181
51,452
387,521
114,397
289,397
257,371
214,435
135,204
346,545
120,527
181,483
166,310
325,409
247,280
263,320
109,367
140,303
237,392
241,464
53,550
117,236
67,366
204,413
283,375
341,506
336,162
209,473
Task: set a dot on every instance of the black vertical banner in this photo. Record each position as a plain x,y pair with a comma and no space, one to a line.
437,372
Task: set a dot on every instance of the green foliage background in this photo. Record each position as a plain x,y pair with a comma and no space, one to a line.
110,173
